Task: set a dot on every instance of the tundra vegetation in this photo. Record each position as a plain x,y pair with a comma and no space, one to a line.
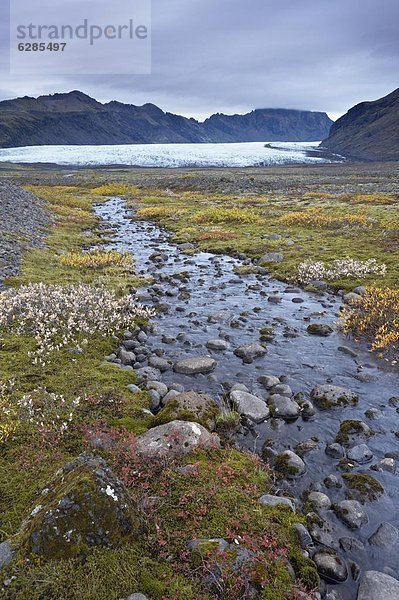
59,318
58,397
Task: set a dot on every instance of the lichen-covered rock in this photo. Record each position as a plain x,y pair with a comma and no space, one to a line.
190,406
269,500
272,257
84,506
175,439
330,396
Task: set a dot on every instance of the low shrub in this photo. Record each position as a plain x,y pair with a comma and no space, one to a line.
322,220
97,259
375,317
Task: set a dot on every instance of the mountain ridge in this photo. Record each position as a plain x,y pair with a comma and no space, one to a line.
368,131
77,119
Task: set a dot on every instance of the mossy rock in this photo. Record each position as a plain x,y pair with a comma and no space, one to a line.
266,334
84,506
362,487
289,464
350,431
331,396
189,406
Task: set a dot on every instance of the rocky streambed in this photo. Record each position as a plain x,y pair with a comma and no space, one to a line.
319,407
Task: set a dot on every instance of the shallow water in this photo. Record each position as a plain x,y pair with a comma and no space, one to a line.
304,360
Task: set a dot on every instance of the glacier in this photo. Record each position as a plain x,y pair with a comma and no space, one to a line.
244,154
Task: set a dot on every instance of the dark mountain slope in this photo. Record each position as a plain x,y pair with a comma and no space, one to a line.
368,131
75,118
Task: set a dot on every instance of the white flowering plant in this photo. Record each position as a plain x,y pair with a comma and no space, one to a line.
58,316
46,411
309,271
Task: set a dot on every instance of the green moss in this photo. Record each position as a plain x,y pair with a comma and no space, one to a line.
305,569
362,486
104,575
90,517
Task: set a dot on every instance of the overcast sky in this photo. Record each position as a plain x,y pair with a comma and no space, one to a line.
235,55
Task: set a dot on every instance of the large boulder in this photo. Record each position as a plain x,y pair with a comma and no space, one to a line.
189,406
378,586
195,365
84,506
330,396
249,406
175,439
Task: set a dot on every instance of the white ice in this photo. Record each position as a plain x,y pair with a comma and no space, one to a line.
248,154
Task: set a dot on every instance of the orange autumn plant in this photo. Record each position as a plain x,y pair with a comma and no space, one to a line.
375,316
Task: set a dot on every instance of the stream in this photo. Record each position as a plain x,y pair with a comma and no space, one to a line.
216,303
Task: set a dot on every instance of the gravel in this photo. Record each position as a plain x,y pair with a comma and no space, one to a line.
22,221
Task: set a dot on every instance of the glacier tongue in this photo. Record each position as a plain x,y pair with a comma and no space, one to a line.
249,154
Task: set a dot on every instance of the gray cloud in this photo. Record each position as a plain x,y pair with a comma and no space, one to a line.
231,56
